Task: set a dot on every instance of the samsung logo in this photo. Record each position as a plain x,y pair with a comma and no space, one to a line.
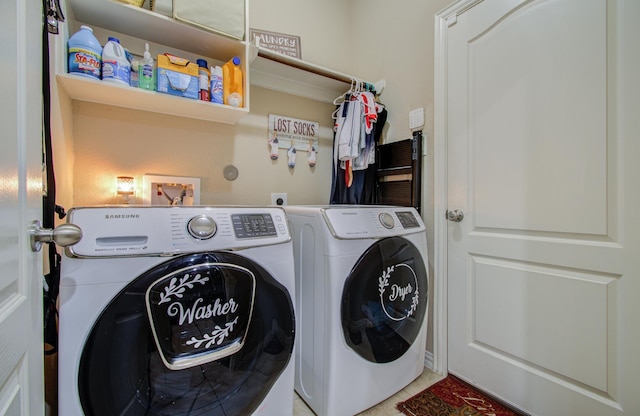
120,216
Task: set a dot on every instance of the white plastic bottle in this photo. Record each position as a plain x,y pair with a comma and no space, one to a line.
115,65
216,85
147,78
85,53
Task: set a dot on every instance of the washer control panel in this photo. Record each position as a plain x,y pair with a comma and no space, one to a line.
253,225
134,231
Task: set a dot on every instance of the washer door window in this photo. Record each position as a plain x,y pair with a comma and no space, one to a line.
384,301
202,334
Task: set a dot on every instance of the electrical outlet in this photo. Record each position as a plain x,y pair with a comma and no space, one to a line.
416,118
279,198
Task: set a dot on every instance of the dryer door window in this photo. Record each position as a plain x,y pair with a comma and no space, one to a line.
201,334
384,300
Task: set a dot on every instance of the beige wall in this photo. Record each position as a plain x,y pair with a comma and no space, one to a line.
323,27
111,141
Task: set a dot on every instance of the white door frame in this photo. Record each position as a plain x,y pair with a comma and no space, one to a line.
443,20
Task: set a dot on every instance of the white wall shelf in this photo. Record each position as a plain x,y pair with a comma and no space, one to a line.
153,27
96,91
297,77
262,67
137,22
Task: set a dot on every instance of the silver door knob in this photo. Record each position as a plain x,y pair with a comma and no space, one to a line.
64,235
455,216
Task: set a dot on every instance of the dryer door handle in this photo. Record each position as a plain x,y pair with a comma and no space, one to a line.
63,235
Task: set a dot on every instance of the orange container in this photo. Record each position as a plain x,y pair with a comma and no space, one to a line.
232,83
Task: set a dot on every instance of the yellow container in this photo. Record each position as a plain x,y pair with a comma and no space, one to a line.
138,3
232,83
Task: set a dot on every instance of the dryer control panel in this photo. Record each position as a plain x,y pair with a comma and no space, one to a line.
372,221
163,231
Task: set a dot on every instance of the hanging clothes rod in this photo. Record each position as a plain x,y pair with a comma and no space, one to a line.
314,69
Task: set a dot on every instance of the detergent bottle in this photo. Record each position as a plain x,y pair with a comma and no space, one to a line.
232,83
115,65
85,53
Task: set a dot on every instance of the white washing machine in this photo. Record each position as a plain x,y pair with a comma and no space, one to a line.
177,311
361,298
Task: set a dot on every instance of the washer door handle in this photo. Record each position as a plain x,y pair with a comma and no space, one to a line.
63,235
455,216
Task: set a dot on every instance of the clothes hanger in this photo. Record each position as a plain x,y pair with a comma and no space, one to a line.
334,115
343,96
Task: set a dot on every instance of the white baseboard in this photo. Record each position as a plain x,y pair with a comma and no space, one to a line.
428,360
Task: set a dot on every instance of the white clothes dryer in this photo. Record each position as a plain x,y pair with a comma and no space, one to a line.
361,297
177,311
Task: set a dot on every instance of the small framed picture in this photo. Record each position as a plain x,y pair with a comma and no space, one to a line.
170,190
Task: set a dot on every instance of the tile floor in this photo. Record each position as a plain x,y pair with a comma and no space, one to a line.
387,407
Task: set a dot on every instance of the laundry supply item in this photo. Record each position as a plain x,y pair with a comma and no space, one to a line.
177,76
115,65
138,3
130,58
216,85
147,75
132,82
203,77
134,79
232,83
128,55
85,53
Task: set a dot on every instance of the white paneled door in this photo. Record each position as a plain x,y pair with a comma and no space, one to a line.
542,132
21,344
